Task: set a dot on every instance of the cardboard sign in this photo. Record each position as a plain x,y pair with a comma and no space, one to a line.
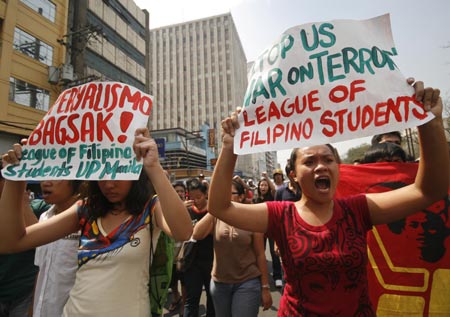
326,82
87,134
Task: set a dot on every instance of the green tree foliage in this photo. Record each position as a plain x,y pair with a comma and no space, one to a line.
356,153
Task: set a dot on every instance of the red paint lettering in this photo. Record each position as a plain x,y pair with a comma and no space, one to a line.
354,89
260,114
247,123
327,121
381,114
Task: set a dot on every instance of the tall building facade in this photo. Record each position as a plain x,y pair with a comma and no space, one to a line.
29,33
198,73
108,40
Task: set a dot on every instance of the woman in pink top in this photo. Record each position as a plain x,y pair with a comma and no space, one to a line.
322,240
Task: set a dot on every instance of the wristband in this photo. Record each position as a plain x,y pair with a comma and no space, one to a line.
265,286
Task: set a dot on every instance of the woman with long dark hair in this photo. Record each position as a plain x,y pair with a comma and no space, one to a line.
117,233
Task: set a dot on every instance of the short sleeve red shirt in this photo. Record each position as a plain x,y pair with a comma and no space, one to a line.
325,266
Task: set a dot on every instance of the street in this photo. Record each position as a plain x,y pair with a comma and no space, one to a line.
272,312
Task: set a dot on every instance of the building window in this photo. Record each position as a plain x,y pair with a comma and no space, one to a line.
44,7
29,95
33,47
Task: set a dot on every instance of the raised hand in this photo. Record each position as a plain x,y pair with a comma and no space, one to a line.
14,155
145,148
429,97
229,126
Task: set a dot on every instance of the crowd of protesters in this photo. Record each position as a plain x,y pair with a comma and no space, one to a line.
104,229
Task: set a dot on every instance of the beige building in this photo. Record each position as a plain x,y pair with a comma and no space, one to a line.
29,30
198,75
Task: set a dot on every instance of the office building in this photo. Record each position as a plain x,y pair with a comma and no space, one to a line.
108,40
198,72
29,33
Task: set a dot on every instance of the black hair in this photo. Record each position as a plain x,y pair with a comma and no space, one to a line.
140,192
195,183
293,156
78,186
377,138
288,168
239,187
262,198
179,184
383,151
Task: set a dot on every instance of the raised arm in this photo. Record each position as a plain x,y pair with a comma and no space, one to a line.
272,188
15,236
248,217
171,215
432,181
203,227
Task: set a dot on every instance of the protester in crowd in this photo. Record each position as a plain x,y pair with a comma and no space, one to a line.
198,275
265,189
266,192
249,195
290,192
203,180
278,178
17,271
177,298
392,137
384,152
322,239
114,253
57,260
239,276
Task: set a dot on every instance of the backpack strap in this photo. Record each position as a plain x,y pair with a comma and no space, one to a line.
150,209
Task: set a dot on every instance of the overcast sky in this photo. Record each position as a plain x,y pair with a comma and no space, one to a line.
421,29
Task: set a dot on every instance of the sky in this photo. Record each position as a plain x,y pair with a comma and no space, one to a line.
421,30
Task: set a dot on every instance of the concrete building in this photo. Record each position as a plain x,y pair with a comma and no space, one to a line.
185,154
198,74
29,33
108,40
47,46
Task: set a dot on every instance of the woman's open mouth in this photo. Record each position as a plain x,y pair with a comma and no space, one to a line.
322,183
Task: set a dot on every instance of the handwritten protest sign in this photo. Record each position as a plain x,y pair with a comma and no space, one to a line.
326,82
87,134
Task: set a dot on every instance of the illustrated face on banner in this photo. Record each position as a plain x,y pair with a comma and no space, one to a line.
87,134
427,231
430,231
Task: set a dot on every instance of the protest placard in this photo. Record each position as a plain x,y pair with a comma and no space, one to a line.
87,134
326,82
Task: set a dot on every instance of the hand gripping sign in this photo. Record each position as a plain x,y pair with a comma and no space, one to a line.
326,82
87,134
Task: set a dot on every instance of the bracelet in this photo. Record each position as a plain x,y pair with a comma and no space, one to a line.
265,286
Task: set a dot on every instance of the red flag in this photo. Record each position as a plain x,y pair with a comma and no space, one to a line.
409,260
